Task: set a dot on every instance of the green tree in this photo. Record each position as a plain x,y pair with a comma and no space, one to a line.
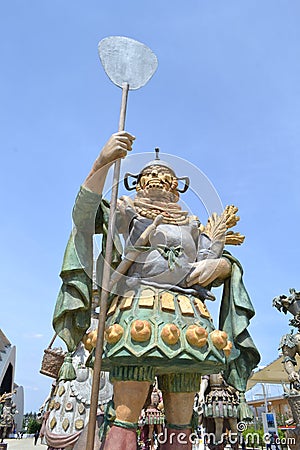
254,437
33,426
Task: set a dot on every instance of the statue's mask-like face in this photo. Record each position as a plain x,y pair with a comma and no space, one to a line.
156,181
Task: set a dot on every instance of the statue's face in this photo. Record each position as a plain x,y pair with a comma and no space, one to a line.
157,180
154,398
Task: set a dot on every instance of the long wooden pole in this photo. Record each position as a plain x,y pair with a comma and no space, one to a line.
105,284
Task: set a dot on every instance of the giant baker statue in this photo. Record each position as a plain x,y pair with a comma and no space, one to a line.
157,321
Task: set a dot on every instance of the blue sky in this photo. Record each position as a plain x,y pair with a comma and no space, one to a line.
226,98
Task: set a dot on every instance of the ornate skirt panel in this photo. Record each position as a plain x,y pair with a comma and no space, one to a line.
154,416
161,329
221,403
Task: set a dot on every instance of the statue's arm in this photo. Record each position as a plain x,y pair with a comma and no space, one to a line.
200,397
289,360
203,387
211,266
207,271
86,208
72,311
116,147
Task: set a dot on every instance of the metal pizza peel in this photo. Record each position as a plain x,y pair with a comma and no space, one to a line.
129,64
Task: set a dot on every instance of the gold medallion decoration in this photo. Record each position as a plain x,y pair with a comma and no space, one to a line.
79,424
69,406
52,423
140,330
51,405
227,349
170,334
81,408
196,335
89,340
61,390
65,424
114,333
219,339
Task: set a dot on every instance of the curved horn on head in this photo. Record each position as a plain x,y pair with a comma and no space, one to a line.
133,184
186,184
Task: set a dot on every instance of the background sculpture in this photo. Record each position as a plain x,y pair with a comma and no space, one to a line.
152,419
290,347
7,412
219,408
66,410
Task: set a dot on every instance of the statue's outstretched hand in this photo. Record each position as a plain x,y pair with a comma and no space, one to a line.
116,147
294,376
206,271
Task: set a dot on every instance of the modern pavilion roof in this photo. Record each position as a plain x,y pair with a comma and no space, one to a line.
273,373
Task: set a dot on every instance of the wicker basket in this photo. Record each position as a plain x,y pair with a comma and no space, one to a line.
52,360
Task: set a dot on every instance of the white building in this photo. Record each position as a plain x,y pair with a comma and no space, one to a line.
7,377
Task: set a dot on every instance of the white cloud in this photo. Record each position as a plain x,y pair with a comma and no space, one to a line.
32,388
33,336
